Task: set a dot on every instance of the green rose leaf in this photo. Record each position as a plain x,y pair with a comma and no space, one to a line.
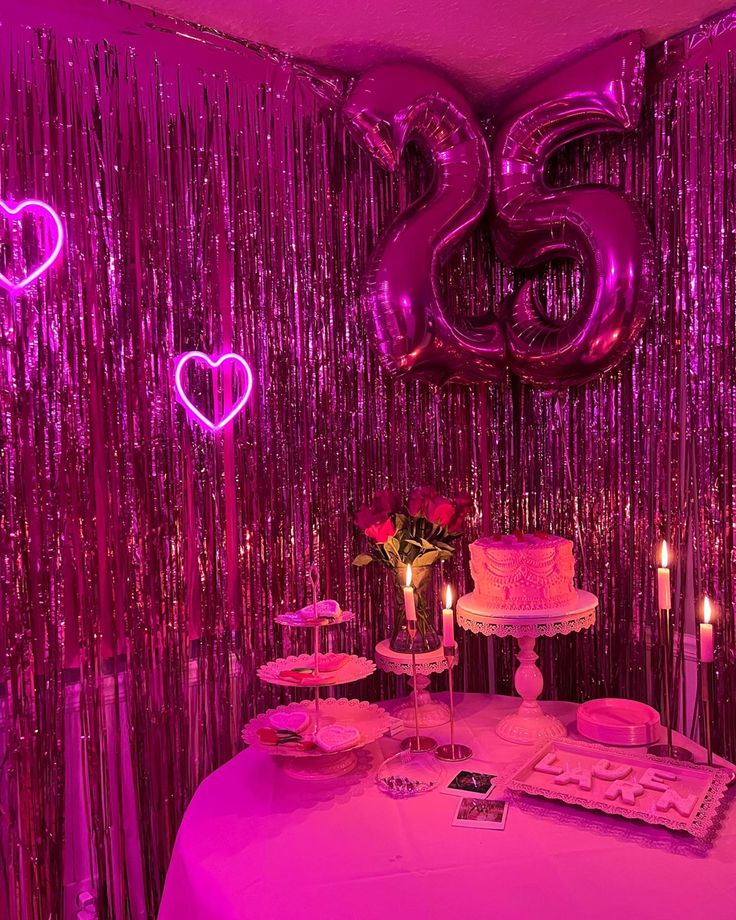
363,559
427,558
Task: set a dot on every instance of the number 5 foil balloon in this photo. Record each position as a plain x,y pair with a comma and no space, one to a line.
387,108
598,227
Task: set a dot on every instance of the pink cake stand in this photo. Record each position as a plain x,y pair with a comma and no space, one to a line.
529,724
431,712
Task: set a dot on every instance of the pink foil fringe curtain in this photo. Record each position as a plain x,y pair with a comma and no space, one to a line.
145,559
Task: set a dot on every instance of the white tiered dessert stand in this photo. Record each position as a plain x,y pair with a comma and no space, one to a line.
370,720
431,712
529,724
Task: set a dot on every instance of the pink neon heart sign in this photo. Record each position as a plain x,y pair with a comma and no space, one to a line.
54,232
180,384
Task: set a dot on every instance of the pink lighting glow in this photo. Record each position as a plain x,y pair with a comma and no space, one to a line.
43,210
180,382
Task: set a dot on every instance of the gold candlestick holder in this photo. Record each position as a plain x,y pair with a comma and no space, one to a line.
416,743
452,751
705,700
673,751
314,578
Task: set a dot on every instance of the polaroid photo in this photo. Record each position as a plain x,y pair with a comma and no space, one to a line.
481,813
470,785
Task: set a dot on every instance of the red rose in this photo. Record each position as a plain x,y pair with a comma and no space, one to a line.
463,505
383,504
387,502
441,510
464,501
365,517
456,524
419,498
381,532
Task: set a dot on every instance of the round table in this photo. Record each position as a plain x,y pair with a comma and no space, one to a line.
257,843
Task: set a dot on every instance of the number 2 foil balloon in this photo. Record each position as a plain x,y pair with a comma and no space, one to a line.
387,108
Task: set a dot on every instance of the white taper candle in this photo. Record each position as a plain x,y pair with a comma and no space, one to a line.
664,598
448,620
409,605
706,634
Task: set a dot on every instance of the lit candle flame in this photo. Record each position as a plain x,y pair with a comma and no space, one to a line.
448,598
408,576
706,610
665,557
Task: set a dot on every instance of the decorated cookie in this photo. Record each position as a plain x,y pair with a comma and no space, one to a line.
277,736
549,764
332,661
274,737
326,612
296,675
577,775
336,737
305,676
295,720
628,791
684,804
604,769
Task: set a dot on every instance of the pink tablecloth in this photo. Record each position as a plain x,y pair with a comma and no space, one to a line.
258,844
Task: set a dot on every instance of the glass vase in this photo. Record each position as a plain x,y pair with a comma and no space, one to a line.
426,638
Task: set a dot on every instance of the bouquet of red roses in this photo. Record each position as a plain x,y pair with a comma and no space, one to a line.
420,532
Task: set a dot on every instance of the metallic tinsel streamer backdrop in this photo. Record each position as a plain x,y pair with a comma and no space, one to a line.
219,203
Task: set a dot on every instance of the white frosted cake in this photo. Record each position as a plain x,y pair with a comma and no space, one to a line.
519,572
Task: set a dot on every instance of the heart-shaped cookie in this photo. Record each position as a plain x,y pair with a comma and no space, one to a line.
295,720
336,737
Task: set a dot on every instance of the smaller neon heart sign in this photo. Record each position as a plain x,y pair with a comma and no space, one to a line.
179,383
46,212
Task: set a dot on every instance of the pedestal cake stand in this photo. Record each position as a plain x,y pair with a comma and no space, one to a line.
431,712
529,724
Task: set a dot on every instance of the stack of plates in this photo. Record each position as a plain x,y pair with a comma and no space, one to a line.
618,722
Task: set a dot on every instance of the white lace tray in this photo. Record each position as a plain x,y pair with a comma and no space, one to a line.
680,796
370,720
355,668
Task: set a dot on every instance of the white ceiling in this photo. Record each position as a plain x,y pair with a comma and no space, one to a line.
489,45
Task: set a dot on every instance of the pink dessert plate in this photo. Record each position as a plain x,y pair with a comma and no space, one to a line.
619,722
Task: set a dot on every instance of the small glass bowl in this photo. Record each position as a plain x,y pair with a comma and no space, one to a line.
407,774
